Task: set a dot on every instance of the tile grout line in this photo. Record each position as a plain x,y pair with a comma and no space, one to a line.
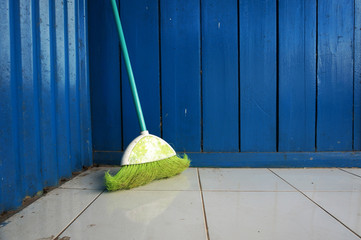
72,221
203,207
142,190
79,188
349,172
315,203
269,191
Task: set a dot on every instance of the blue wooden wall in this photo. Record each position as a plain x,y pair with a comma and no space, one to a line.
45,129
258,83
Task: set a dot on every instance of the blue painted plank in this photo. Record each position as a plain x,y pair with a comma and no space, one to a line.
16,94
104,77
335,75
74,108
62,93
357,78
88,123
180,74
140,25
36,79
297,75
84,90
67,78
108,158
29,124
220,75
256,159
10,196
258,81
47,121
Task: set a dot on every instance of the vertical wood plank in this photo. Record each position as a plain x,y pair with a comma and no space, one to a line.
104,78
9,158
258,75
62,94
75,140
180,73
357,77
220,75
31,177
37,83
47,122
140,25
297,75
16,97
335,75
84,98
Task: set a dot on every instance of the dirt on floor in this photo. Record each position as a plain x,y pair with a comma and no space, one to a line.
30,199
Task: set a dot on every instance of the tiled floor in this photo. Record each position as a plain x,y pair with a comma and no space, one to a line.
200,204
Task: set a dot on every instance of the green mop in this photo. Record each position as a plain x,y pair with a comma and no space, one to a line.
147,157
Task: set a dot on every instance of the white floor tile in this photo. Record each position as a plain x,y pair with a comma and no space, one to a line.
313,179
240,204
345,206
141,215
241,179
269,215
356,171
47,216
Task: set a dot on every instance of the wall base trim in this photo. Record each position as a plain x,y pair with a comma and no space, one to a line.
255,159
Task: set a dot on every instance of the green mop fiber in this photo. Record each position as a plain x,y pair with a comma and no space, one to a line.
131,176
148,157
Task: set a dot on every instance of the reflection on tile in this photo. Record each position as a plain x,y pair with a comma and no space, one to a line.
90,179
314,179
356,171
47,216
345,206
241,179
186,181
269,215
141,215
94,179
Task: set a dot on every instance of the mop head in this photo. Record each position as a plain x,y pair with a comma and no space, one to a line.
135,175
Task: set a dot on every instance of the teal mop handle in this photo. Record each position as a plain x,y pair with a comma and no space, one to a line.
129,68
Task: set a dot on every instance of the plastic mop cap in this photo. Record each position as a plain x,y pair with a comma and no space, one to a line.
147,148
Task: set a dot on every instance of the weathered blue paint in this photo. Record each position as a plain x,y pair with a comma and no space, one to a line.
220,75
335,75
47,121
62,93
29,112
84,88
39,84
180,74
256,159
258,83
9,149
297,75
140,25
